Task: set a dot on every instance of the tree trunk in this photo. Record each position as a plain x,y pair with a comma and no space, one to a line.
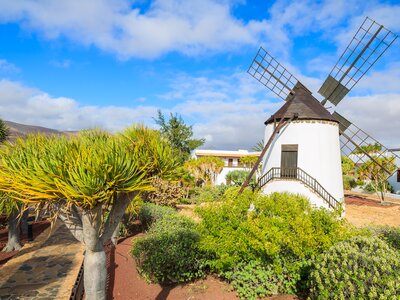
13,242
24,222
114,237
95,274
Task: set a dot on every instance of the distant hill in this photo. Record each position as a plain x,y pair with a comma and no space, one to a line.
21,130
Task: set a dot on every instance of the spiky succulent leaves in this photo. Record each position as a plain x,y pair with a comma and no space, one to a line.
8,205
4,131
153,151
84,170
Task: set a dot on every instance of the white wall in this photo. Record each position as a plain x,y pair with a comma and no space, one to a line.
318,153
294,187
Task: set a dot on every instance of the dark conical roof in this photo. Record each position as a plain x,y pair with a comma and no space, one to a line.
304,106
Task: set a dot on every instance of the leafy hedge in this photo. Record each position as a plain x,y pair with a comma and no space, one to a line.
265,245
150,213
361,268
169,252
282,225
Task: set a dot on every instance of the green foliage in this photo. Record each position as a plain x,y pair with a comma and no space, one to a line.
207,194
370,149
361,268
248,161
169,252
391,235
347,166
150,213
178,134
349,182
259,146
166,192
8,205
383,186
87,169
282,225
255,279
237,177
152,151
4,131
376,175
205,169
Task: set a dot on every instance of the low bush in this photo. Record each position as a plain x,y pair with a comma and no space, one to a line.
391,235
207,194
169,252
166,192
281,225
256,279
349,182
360,268
150,213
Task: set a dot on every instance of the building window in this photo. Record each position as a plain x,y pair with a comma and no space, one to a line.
398,175
230,162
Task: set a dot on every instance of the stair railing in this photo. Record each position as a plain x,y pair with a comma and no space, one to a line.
302,176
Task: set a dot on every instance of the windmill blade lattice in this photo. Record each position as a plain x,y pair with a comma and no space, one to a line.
366,47
272,74
354,144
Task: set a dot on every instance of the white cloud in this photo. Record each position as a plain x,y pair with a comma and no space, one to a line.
189,27
26,105
378,115
63,64
7,67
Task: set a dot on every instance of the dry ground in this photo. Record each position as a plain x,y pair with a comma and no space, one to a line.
362,210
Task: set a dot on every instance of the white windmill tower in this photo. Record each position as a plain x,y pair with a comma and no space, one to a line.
304,140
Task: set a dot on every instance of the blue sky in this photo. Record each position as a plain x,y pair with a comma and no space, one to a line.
77,64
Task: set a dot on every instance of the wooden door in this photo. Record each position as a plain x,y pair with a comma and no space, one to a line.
289,161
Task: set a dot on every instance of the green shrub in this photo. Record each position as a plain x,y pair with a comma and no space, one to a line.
150,213
360,182
207,193
385,186
165,192
237,177
169,252
361,268
349,182
391,235
282,225
256,279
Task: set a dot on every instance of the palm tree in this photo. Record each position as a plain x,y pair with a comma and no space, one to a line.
88,181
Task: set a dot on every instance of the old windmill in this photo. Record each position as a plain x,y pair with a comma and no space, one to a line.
303,139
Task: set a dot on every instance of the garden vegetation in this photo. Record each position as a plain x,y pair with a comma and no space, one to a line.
265,245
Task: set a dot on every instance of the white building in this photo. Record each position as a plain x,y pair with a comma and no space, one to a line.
394,180
304,157
231,160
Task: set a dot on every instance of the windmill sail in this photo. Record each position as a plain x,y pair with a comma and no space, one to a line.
361,148
272,74
366,47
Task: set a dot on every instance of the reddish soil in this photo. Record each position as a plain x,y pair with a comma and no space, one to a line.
362,211
360,201
38,228
126,283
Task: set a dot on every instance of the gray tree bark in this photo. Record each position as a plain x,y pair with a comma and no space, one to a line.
24,222
13,242
86,226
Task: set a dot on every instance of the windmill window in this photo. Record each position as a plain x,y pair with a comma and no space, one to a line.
398,175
